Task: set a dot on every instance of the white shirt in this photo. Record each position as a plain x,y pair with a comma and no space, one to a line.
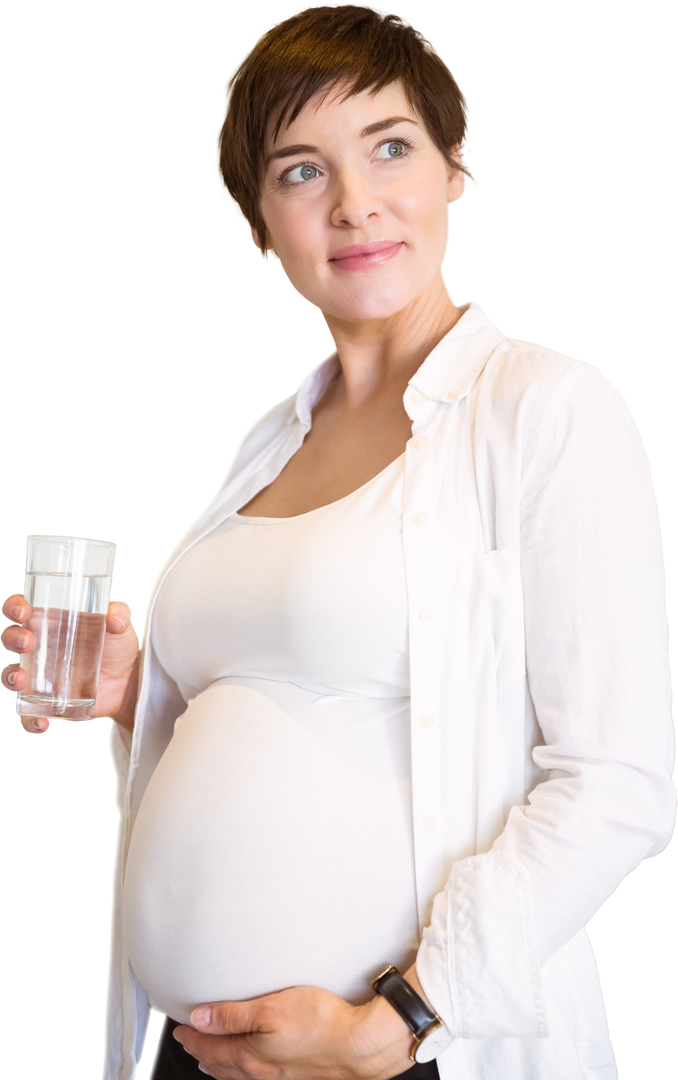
541,744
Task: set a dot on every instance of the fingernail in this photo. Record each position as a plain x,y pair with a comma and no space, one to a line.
21,640
11,677
201,1017
38,725
203,1068
16,612
119,622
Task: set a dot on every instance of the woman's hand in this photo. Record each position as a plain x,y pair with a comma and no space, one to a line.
300,1034
117,690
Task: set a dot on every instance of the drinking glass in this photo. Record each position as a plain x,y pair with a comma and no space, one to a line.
68,584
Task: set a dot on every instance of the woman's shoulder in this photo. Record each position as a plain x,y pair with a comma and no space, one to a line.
526,366
505,374
266,429
273,424
534,405
534,383
540,406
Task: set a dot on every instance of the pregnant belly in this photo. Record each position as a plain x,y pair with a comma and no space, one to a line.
273,848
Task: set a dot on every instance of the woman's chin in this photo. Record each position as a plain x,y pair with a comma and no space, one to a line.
368,307
372,295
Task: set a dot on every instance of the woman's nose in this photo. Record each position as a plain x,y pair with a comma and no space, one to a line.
356,201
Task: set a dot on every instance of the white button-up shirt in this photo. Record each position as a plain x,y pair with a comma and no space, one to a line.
542,744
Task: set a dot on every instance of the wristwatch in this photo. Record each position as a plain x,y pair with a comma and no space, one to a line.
421,1020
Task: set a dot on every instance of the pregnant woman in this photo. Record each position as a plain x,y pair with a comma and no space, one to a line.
404,699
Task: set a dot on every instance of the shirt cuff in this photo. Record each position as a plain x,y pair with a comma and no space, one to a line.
478,961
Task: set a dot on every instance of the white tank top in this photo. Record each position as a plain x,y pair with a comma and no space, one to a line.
273,846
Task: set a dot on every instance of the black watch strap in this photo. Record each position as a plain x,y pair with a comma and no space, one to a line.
405,1000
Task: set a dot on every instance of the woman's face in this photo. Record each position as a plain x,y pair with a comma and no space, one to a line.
355,197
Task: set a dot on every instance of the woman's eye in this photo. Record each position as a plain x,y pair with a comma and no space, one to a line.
402,148
300,174
304,172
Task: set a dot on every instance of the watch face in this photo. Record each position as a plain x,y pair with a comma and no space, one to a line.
432,1043
423,1054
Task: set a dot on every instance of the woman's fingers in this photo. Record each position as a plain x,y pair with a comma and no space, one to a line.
14,608
118,660
35,724
118,617
16,638
14,677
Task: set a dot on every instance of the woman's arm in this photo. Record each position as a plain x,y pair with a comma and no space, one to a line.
597,668
125,716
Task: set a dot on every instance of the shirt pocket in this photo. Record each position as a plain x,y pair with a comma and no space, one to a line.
490,649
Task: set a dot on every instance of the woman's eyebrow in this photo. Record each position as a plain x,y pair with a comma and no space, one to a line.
371,129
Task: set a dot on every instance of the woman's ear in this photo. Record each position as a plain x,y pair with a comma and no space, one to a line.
256,243
255,237
455,178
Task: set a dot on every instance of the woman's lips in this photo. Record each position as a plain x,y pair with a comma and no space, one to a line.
363,256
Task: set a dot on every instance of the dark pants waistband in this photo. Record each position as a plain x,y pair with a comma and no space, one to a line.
173,1063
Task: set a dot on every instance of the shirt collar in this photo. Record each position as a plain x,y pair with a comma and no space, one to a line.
446,375
312,389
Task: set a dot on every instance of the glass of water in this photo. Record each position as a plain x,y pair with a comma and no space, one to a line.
68,584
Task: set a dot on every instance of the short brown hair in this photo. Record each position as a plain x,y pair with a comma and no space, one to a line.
316,50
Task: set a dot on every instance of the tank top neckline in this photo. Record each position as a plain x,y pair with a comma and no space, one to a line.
247,520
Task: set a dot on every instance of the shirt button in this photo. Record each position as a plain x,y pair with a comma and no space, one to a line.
417,399
426,615
420,442
420,519
453,394
430,824
426,721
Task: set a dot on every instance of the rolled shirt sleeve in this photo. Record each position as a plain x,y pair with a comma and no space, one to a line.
598,679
